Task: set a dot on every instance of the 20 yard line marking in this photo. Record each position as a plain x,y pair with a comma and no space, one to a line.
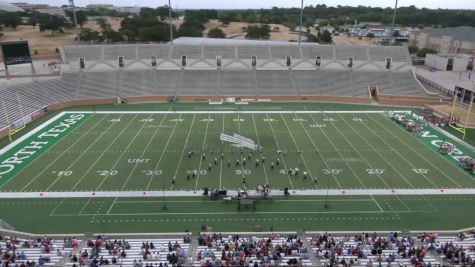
103,153
424,159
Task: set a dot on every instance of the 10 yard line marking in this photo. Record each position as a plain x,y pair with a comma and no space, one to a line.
57,158
202,151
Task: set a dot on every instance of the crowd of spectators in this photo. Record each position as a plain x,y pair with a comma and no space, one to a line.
12,251
118,250
456,252
349,250
249,251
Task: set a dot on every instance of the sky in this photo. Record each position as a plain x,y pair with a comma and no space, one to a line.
244,4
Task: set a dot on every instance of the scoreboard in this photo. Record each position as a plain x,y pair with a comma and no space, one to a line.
15,53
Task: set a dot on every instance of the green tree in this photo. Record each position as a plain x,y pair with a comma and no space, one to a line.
89,35
311,38
11,20
326,37
258,32
424,51
413,49
396,34
33,21
51,23
216,33
81,17
370,35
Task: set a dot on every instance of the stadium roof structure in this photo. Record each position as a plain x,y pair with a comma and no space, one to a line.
9,7
464,33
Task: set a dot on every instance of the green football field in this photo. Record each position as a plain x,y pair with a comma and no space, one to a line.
114,153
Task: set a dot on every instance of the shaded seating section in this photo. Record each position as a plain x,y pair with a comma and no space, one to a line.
132,252
34,252
456,250
370,250
235,250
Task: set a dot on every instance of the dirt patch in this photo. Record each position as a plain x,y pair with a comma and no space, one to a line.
344,40
43,42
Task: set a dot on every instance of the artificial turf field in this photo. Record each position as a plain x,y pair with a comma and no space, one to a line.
139,151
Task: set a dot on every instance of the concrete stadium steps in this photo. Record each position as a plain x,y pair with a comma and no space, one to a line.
396,53
112,52
199,82
234,81
97,85
226,52
190,51
263,51
325,52
275,83
358,53
138,83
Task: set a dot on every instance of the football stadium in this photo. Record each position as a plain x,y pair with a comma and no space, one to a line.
245,154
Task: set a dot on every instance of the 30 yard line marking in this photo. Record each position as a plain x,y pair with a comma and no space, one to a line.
145,150
202,150
424,159
318,152
278,147
103,153
184,148
60,156
122,154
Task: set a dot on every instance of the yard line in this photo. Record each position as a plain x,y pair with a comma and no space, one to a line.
241,155
376,203
375,150
145,150
104,152
57,206
221,166
112,205
62,154
278,147
202,151
410,163
182,152
122,154
83,207
274,200
298,148
316,148
259,142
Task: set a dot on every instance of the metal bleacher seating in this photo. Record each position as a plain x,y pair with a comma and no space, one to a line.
134,254
280,251
47,251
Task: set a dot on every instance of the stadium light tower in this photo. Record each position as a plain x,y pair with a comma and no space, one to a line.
169,20
73,9
394,20
301,21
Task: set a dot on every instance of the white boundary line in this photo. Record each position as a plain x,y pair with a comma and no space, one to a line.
238,111
32,132
322,192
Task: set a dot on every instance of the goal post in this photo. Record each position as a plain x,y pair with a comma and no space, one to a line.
462,128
